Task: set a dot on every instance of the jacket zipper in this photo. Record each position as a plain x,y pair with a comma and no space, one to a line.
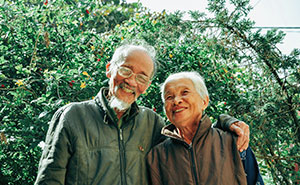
194,171
122,157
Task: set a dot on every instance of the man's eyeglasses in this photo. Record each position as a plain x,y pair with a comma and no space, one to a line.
126,72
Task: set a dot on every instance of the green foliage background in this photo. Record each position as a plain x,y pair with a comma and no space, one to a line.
55,52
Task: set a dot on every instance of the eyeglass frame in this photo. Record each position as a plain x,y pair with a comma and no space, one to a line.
136,75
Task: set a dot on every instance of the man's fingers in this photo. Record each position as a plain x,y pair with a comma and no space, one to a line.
244,146
243,132
244,126
238,131
246,138
244,143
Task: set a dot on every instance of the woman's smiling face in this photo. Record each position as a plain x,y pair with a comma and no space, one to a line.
183,104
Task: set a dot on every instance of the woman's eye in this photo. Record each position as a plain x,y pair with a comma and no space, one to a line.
168,97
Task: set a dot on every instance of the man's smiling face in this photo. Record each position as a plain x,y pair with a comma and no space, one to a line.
128,89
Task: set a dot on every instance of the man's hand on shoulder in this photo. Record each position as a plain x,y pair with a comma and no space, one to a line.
241,129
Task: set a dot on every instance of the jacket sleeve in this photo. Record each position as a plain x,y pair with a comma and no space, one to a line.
55,155
157,136
251,167
224,122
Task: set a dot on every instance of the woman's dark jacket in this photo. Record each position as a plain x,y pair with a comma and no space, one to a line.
211,159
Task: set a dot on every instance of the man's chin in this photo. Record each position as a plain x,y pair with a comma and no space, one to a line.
127,101
126,97
120,105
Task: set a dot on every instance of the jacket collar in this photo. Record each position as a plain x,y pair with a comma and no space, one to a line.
110,114
172,132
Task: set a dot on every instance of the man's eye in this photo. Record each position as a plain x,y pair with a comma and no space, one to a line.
185,92
125,71
142,78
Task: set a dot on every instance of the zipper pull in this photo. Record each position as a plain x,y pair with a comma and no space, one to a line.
121,135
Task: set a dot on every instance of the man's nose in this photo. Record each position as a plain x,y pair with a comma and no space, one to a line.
131,80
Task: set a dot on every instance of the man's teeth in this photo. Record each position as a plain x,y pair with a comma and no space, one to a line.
178,110
127,90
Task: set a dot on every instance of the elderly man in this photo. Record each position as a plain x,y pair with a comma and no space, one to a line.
196,153
105,140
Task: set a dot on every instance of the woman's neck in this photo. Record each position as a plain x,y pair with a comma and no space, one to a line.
188,132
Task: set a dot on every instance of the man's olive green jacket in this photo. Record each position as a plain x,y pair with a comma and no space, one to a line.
84,145
87,144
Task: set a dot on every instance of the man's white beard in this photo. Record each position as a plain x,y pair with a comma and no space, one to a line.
116,103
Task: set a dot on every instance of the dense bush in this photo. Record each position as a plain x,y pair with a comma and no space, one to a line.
55,52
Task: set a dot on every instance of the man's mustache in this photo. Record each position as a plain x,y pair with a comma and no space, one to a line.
127,86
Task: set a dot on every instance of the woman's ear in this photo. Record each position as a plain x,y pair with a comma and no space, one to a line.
107,70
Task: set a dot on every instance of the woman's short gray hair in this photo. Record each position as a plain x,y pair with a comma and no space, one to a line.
195,77
126,48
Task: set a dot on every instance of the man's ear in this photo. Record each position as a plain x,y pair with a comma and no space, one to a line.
205,102
107,70
146,88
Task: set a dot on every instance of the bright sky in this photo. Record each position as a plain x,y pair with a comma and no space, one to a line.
266,13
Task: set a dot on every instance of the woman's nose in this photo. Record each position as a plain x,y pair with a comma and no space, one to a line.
177,100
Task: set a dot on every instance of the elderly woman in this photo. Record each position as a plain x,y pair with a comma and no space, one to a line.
196,153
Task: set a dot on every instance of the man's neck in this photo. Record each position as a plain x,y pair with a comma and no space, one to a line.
119,113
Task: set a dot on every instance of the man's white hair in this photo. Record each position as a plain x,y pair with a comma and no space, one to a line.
124,50
195,77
